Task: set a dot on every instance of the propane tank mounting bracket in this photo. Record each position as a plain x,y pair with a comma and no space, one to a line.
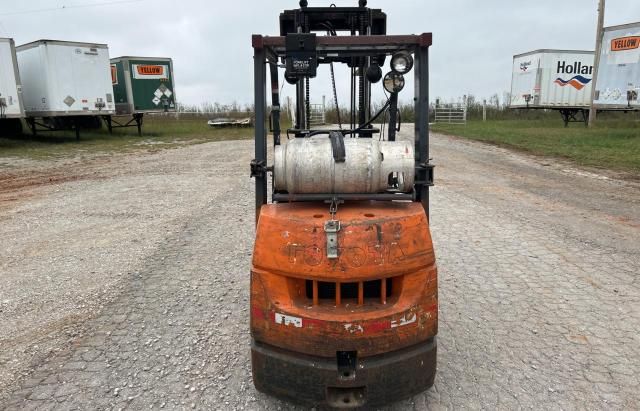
332,227
259,168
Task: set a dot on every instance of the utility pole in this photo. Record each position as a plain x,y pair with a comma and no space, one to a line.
596,65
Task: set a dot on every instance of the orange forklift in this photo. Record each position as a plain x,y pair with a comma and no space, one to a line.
344,291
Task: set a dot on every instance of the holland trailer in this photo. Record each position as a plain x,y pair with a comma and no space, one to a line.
11,106
344,297
141,85
65,85
557,80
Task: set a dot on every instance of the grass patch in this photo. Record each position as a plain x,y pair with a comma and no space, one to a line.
157,133
612,144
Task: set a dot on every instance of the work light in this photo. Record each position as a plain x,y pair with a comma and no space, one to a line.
374,73
402,62
393,82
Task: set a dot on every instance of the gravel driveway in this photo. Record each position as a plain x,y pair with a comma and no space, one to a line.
124,282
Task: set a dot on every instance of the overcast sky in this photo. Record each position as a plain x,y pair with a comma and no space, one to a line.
210,41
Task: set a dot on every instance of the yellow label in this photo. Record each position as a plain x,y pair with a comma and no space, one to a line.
150,70
625,43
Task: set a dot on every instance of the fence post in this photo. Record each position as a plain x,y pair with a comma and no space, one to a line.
324,110
484,110
292,111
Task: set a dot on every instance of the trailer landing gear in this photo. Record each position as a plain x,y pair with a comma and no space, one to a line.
135,121
55,124
571,115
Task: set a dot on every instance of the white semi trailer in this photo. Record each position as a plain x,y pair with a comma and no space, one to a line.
618,83
65,84
553,79
11,108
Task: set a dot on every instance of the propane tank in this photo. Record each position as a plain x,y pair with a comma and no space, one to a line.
307,166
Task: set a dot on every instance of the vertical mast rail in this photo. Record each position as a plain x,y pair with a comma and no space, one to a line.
260,93
275,99
422,120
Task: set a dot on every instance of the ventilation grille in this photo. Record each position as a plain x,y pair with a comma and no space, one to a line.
360,293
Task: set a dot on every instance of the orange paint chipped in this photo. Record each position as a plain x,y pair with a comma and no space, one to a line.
384,279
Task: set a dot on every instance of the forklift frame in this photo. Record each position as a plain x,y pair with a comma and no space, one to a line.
269,49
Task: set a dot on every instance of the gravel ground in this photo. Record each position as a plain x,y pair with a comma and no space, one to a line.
125,283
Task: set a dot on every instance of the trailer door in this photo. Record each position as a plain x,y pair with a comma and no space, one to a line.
523,82
9,98
92,78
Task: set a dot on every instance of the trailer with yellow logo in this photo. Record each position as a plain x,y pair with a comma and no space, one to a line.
143,84
618,82
140,85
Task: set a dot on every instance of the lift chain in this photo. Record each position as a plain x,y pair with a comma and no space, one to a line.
335,96
307,103
333,83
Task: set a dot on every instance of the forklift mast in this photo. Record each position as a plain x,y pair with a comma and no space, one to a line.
354,21
364,50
